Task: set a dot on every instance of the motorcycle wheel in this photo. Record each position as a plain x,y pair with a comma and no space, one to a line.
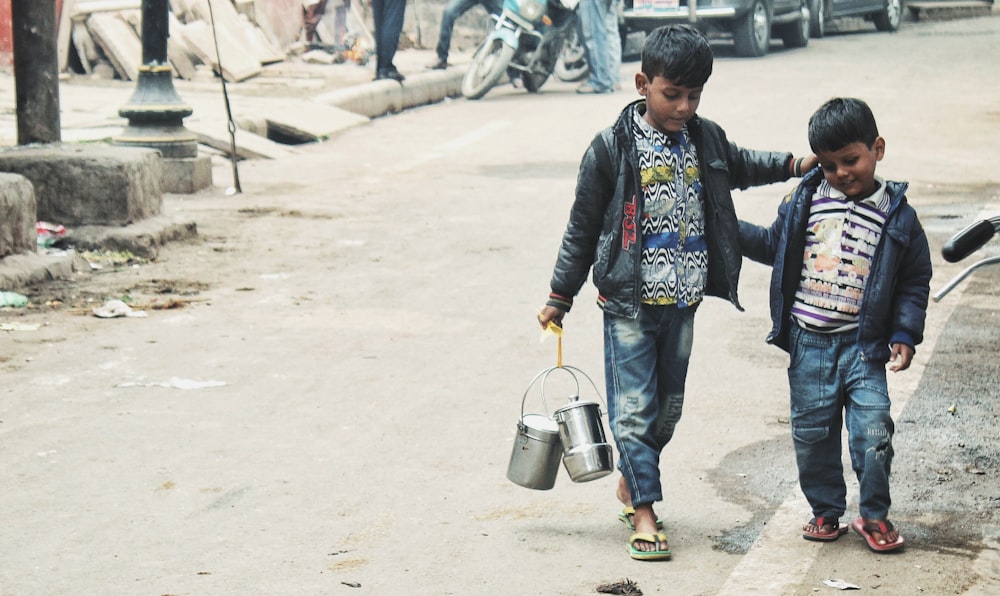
487,66
572,63
533,82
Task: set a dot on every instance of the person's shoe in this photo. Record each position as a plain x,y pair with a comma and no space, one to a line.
438,65
587,88
389,73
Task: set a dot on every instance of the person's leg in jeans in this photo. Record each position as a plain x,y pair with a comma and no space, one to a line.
646,362
870,429
594,31
388,18
452,10
817,418
614,44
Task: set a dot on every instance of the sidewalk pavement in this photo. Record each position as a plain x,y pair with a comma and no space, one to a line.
316,100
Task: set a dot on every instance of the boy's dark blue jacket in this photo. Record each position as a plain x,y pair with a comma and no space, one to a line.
604,229
894,302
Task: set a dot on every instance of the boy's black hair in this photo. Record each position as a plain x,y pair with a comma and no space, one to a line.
679,53
840,122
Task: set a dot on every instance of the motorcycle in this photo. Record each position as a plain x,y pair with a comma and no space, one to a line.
963,244
530,40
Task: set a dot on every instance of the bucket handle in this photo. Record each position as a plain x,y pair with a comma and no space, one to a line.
544,375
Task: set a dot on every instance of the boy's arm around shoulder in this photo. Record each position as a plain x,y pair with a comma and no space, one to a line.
751,167
760,243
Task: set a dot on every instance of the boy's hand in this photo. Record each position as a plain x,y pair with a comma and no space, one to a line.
550,314
900,358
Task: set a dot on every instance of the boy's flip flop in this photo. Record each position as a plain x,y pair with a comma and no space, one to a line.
651,555
830,536
626,518
881,526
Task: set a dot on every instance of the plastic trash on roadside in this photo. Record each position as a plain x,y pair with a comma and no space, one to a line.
13,299
48,234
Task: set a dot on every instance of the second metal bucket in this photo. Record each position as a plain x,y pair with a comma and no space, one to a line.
586,453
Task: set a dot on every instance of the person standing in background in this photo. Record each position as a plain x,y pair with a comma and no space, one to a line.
452,10
388,18
599,31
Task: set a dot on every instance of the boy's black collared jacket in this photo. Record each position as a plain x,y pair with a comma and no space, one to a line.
604,229
894,302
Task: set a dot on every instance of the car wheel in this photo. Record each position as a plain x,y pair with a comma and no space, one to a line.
890,17
796,33
817,19
752,34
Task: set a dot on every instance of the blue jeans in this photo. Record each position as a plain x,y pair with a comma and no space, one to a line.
453,10
830,381
387,16
599,32
645,368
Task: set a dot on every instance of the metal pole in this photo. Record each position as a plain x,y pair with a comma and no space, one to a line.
155,111
36,71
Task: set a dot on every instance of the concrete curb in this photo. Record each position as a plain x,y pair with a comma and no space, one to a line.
379,98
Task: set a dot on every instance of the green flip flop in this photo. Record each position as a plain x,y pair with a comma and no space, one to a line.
651,555
626,518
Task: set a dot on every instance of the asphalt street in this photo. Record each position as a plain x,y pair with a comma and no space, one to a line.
322,396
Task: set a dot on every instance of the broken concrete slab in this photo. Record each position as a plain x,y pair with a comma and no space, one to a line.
90,184
299,121
18,272
144,238
119,41
232,62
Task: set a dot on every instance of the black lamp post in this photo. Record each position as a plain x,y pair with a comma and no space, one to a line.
155,111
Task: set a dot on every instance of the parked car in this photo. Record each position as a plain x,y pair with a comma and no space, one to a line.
752,23
885,14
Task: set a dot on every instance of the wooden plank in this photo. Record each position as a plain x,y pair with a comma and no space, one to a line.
88,7
65,34
243,32
237,65
255,41
86,49
119,42
180,55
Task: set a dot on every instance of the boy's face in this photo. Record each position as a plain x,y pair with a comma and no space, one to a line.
851,169
668,106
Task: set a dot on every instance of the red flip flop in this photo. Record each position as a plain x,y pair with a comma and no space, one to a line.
836,533
881,526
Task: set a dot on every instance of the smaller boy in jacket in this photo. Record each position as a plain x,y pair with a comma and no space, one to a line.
849,288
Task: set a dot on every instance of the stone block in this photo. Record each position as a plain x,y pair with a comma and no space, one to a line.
187,175
17,216
90,184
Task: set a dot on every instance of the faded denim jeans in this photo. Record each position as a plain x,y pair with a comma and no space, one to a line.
830,381
454,9
599,33
645,366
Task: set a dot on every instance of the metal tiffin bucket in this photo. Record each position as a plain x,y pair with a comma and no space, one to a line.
586,453
534,460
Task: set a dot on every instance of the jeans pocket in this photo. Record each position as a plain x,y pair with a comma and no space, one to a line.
811,435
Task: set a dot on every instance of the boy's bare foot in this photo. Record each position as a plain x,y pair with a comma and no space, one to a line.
823,529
